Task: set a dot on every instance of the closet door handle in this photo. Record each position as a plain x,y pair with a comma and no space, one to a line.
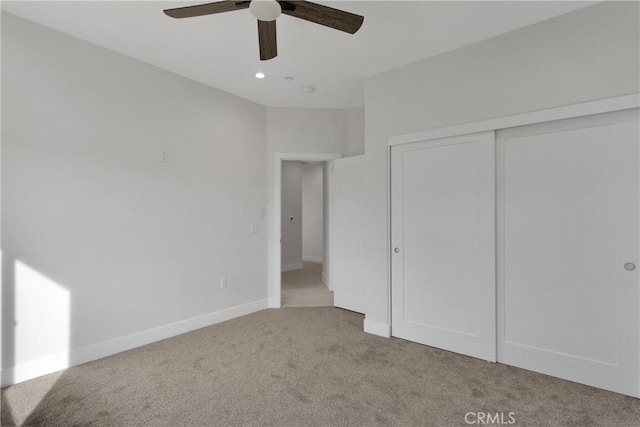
629,266
396,250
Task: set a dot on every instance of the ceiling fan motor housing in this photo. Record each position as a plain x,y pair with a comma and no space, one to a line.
265,10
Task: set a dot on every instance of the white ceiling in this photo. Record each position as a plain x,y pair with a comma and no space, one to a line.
222,50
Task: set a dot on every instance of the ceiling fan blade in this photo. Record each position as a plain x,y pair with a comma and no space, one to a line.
267,40
206,9
323,15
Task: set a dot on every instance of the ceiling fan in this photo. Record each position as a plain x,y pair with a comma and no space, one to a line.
266,12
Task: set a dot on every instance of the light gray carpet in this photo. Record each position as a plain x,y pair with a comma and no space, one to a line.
302,367
304,287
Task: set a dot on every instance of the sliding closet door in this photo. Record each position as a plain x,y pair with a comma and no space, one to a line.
443,243
568,293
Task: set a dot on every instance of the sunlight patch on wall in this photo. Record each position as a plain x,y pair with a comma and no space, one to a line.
41,341
42,316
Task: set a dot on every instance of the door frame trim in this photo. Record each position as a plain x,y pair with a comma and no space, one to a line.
275,290
605,105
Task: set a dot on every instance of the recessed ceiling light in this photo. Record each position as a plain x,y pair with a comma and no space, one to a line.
260,76
308,89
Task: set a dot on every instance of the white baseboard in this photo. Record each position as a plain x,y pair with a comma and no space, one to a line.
292,266
377,328
36,368
325,280
311,258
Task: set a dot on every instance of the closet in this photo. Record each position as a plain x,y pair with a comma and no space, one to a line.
520,244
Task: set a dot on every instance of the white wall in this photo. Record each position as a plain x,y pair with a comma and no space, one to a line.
99,235
585,55
355,131
302,131
291,216
312,212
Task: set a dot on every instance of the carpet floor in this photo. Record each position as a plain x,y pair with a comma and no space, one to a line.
302,367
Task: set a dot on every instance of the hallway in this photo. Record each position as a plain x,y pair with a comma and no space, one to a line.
304,287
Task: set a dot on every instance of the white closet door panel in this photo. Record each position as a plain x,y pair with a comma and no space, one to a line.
443,284
569,223
349,235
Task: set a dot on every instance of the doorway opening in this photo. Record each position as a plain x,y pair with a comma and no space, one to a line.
301,269
302,229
